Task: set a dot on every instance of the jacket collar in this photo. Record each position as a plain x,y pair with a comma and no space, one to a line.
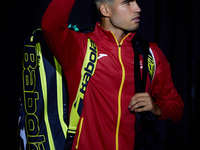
109,36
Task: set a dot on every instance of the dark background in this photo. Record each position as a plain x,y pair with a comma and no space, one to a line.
173,24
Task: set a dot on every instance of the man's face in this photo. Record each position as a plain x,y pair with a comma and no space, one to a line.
125,15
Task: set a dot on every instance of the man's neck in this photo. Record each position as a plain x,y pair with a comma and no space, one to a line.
119,33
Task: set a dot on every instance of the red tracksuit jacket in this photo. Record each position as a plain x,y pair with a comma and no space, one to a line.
107,122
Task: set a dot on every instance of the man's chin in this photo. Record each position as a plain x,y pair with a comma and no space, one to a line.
133,28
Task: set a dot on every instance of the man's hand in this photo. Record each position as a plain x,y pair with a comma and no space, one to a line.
141,102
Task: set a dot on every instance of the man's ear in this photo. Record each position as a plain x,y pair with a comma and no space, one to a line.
104,9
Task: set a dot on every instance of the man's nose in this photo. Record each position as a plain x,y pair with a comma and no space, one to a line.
136,7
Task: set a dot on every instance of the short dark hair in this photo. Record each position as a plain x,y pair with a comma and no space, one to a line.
98,2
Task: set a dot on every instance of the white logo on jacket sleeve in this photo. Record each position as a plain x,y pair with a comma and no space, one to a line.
102,55
141,64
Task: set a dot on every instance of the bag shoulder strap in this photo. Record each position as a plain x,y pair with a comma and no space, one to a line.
87,71
140,47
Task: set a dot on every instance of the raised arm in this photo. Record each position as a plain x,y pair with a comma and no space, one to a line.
64,44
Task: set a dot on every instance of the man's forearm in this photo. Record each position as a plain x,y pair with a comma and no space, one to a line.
56,15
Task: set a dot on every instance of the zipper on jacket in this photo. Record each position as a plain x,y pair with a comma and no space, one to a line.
79,134
120,90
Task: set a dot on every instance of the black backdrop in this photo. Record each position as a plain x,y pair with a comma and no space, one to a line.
173,25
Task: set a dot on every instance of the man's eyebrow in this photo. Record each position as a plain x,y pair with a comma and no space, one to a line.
128,1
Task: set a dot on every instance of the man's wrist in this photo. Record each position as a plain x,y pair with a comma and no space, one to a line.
157,111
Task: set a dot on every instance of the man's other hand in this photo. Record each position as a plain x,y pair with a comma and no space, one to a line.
141,102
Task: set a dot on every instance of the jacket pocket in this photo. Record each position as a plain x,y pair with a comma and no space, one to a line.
79,134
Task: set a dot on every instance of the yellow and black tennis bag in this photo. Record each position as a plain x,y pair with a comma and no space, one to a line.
44,113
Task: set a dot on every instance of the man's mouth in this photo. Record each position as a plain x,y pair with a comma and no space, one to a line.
137,19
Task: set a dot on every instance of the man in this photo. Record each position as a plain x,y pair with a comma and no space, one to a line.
110,103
